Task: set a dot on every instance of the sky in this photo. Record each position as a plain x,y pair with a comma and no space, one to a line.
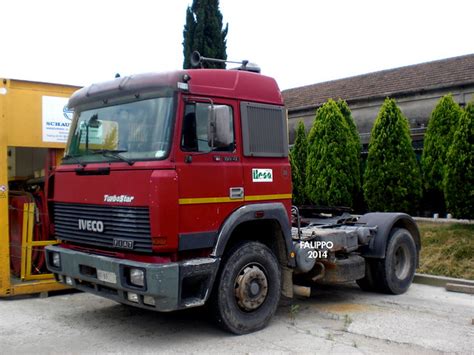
298,42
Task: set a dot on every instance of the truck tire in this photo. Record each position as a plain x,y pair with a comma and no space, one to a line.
247,288
394,274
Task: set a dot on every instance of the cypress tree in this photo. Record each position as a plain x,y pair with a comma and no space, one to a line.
392,180
355,146
296,179
438,138
329,163
459,174
188,34
204,32
298,160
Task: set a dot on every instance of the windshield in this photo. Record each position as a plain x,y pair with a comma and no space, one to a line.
138,130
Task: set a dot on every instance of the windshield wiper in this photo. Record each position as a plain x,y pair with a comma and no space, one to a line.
74,158
114,154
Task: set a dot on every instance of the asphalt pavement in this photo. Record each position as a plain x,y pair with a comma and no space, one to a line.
342,319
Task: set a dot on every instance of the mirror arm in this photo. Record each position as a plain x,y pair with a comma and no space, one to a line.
87,137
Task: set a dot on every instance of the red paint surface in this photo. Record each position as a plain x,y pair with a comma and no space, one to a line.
160,184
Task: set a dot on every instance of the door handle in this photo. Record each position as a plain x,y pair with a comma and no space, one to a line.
236,193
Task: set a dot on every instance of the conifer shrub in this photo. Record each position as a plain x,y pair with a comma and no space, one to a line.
392,179
298,157
459,173
355,149
330,163
437,140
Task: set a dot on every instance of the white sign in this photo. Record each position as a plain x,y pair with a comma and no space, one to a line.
95,135
262,175
56,119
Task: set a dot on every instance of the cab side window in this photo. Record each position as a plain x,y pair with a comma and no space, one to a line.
195,135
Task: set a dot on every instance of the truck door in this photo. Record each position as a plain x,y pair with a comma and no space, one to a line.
210,179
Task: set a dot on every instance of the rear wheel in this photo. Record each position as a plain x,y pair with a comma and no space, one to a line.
247,290
395,273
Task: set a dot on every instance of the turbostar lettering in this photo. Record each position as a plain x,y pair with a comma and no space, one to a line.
119,198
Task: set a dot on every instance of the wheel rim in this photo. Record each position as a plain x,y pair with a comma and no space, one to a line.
251,287
402,262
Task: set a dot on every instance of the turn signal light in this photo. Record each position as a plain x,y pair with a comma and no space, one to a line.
149,300
132,297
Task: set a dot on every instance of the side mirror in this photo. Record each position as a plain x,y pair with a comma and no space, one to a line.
219,127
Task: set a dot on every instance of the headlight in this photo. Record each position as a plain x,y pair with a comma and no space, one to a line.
56,260
137,277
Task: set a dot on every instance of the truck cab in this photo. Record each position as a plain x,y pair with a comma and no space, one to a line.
162,174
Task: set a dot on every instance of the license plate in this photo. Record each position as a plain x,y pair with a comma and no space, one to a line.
123,243
106,276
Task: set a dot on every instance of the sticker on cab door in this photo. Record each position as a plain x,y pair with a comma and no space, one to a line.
262,175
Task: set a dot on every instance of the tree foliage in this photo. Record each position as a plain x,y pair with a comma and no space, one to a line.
204,32
354,143
392,180
297,198
459,174
298,157
438,138
330,161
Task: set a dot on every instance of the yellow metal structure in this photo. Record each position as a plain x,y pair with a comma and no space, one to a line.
21,125
28,245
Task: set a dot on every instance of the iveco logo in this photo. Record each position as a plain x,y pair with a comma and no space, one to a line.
91,225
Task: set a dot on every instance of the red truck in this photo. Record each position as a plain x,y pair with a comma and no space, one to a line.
175,191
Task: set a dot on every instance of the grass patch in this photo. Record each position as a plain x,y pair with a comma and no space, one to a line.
447,249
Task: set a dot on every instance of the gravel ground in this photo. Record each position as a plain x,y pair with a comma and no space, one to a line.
343,319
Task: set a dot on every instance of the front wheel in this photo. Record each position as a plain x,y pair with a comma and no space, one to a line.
247,290
395,273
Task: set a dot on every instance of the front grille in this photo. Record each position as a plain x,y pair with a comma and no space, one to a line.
129,223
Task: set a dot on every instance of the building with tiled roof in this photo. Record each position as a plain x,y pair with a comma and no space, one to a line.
417,88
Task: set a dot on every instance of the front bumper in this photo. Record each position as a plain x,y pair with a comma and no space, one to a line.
171,286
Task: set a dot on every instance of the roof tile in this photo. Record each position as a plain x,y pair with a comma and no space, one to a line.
455,71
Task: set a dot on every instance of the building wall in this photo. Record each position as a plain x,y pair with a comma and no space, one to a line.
416,107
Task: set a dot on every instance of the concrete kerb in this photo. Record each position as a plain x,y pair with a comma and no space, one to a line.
440,281
460,288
